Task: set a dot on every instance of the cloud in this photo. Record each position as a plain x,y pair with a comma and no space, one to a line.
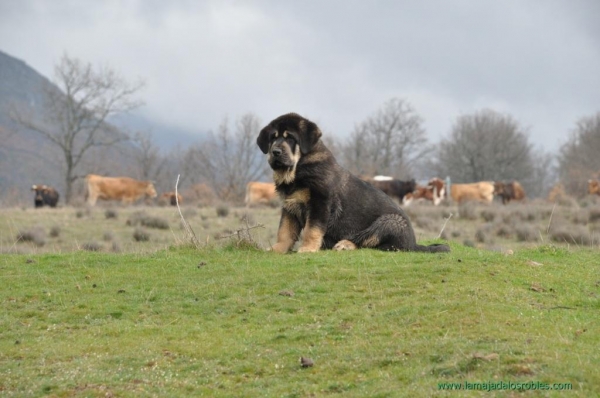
336,61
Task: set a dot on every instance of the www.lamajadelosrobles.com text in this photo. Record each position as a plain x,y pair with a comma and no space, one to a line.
505,385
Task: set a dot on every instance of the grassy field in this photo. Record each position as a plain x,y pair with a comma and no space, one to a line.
159,318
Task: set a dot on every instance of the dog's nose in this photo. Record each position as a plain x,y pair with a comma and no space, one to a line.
276,151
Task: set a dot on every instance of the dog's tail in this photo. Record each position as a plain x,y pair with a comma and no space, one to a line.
435,248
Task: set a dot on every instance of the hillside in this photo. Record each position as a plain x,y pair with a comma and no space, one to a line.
26,158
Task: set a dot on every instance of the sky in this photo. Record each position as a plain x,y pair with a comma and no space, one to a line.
335,62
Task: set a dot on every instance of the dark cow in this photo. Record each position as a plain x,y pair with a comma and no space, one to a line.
393,187
45,196
171,198
509,191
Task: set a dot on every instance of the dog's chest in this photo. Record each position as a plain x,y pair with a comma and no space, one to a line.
296,202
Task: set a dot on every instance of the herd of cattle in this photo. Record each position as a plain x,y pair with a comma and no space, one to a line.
128,190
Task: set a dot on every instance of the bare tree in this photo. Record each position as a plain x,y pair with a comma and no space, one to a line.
76,111
149,161
228,160
485,146
578,159
389,142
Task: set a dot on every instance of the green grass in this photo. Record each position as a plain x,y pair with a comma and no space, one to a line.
181,322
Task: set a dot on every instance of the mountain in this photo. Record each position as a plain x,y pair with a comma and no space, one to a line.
28,158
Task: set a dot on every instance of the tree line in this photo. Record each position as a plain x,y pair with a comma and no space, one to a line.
484,145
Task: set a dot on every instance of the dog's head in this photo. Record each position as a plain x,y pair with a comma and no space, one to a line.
286,139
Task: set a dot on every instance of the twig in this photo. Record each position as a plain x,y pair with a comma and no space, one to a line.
238,232
186,225
550,221
444,226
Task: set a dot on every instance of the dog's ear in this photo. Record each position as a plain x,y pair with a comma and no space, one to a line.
263,139
309,137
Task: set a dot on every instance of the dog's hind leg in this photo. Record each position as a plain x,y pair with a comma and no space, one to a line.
390,232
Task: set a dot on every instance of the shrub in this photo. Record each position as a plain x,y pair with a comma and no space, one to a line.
111,213
482,235
594,214
108,236
155,222
189,212
136,218
488,215
92,246
141,235
504,231
577,235
116,247
527,233
467,211
36,235
55,231
222,210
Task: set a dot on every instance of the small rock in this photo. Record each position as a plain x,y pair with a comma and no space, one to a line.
306,362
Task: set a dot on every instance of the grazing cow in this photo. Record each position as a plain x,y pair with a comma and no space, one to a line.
594,187
509,191
482,191
392,187
45,195
171,198
419,194
259,192
125,189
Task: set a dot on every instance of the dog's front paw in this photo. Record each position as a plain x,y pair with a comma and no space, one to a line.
280,248
344,245
308,249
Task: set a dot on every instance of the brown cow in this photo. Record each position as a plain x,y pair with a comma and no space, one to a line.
509,191
45,195
259,192
171,198
594,187
420,193
125,189
482,191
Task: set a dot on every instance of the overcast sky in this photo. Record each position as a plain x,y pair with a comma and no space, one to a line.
335,62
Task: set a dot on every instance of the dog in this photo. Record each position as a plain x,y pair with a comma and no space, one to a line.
333,208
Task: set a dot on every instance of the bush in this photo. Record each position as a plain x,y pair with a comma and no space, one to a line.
577,235
467,211
116,247
55,231
111,213
504,231
108,236
483,235
527,233
36,235
594,214
155,222
92,246
488,215
141,235
222,210
136,218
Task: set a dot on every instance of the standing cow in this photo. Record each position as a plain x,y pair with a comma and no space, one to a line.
259,192
45,196
594,187
125,189
509,191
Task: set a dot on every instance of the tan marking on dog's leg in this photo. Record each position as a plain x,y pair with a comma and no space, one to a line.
372,241
313,239
344,245
286,236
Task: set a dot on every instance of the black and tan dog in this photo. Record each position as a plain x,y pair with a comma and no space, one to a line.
335,209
